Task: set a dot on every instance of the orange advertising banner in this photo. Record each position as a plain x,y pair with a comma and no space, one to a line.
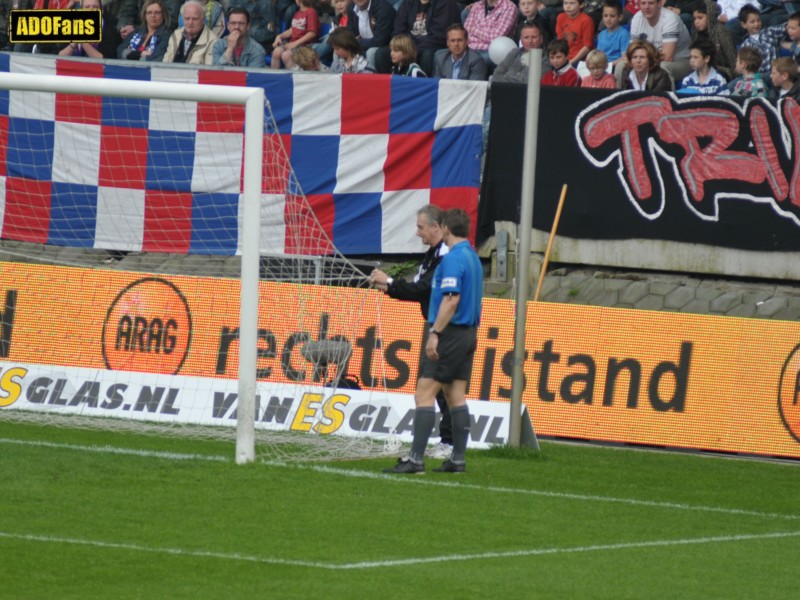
665,379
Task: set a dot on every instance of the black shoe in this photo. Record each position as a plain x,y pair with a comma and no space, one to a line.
449,466
407,466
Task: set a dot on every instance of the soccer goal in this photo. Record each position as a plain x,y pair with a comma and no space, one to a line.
171,275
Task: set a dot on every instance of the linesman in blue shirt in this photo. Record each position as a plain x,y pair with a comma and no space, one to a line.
453,317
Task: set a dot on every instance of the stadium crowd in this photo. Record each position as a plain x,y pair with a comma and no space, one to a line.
694,47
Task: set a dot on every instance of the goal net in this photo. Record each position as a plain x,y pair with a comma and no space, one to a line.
172,276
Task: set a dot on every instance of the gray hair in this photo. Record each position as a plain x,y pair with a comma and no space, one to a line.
200,5
433,214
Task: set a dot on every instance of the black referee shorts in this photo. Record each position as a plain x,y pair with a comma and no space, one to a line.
456,349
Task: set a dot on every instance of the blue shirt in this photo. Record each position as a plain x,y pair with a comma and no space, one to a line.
614,43
460,272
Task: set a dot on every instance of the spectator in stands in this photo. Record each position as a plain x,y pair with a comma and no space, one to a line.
109,36
460,62
665,30
403,54
426,22
682,8
529,13
561,72
599,77
149,41
792,45
372,22
614,39
305,58
642,70
784,79
263,20
339,20
487,20
347,53
749,84
704,80
577,29
772,12
707,28
193,43
629,10
304,31
766,41
514,68
237,48
130,15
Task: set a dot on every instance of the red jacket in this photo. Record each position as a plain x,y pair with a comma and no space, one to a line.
566,76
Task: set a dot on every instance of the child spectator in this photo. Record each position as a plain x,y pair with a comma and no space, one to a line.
529,13
404,52
707,28
630,9
704,80
323,48
784,79
304,30
750,84
793,33
766,41
305,58
614,39
577,29
561,73
599,77
347,51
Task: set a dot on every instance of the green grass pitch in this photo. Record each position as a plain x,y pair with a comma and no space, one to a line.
86,514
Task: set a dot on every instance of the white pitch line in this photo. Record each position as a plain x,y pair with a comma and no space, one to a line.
115,450
421,560
415,480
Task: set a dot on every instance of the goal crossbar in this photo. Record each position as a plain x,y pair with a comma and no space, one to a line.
253,100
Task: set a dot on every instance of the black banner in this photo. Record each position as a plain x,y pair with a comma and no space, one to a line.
707,170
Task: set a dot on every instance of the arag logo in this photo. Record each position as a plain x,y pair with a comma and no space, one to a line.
789,393
148,328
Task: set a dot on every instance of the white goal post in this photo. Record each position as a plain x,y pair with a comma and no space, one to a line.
253,100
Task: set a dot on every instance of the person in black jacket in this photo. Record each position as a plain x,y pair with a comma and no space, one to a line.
429,230
372,22
426,21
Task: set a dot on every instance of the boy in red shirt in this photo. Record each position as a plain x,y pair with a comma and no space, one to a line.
562,73
304,31
577,29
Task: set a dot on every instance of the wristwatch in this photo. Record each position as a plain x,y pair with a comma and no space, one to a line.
433,331
389,281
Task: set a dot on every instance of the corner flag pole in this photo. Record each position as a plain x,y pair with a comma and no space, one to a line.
553,230
524,246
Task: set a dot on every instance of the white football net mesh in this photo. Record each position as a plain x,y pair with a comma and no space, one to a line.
126,214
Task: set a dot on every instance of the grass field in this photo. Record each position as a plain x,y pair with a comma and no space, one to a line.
86,514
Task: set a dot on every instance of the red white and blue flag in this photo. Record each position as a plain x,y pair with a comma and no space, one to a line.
159,176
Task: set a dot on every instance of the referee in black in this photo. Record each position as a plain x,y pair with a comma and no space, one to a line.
429,230
453,317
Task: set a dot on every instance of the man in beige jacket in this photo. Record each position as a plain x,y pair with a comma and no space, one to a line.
193,43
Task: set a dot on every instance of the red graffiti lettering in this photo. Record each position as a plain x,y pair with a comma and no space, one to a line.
708,142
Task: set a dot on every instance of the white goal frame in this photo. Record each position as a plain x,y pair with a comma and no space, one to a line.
253,100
